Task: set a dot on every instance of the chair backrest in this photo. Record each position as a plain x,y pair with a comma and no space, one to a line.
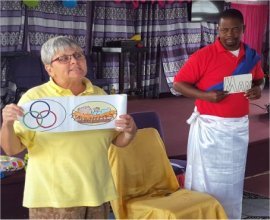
141,168
148,119
27,71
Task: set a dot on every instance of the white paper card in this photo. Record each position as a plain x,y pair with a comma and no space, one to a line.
73,113
238,83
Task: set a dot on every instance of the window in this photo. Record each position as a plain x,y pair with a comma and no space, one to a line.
206,10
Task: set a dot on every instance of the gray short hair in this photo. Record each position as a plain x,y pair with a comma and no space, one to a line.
54,45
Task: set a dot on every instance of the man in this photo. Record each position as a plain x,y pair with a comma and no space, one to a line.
218,137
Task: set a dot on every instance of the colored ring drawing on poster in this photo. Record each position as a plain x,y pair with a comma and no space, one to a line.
31,110
26,124
41,116
40,124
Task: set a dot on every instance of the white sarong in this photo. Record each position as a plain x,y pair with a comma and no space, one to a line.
216,159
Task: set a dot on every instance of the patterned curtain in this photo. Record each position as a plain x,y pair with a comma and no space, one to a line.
26,28
121,21
180,41
12,42
161,3
165,31
155,23
51,19
111,22
12,26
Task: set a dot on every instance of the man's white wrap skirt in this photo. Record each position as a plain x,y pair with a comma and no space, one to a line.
216,159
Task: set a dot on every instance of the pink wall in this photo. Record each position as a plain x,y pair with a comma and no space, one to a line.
256,17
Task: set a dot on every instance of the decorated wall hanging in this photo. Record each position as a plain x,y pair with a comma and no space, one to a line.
31,3
161,3
70,3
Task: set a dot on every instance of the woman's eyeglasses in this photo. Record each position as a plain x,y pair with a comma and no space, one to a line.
66,58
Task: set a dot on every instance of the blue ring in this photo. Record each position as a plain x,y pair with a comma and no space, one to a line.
41,117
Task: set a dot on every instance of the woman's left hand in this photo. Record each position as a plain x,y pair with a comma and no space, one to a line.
126,125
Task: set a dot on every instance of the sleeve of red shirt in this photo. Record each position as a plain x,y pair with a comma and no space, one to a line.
257,71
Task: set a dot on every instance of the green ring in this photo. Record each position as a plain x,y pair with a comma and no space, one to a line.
29,126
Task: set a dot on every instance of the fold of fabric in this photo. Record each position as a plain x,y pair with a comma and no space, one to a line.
247,64
216,159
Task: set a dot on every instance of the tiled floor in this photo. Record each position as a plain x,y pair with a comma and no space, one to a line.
258,184
256,197
255,207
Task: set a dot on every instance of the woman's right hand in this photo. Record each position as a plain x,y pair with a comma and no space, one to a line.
10,113
10,143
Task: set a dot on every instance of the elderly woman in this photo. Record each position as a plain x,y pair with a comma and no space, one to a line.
68,174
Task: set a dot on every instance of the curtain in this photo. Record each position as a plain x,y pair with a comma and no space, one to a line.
153,23
166,33
161,3
12,39
24,29
116,21
12,26
179,42
111,22
51,19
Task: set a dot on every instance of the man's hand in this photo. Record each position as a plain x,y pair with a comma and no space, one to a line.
215,96
190,90
254,93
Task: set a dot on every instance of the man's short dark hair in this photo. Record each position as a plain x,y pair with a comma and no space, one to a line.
232,13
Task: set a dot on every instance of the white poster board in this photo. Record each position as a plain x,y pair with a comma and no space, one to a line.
73,113
238,83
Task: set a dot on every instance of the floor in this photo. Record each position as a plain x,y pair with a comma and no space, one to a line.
256,197
174,111
255,207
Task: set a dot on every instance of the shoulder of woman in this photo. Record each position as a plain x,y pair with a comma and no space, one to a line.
99,91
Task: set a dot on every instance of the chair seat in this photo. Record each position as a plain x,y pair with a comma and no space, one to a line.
182,204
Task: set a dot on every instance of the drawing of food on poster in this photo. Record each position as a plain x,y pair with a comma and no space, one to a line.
94,113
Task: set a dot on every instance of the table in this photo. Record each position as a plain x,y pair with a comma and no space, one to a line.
12,188
122,51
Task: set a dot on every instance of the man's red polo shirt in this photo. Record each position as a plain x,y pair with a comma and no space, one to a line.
207,67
